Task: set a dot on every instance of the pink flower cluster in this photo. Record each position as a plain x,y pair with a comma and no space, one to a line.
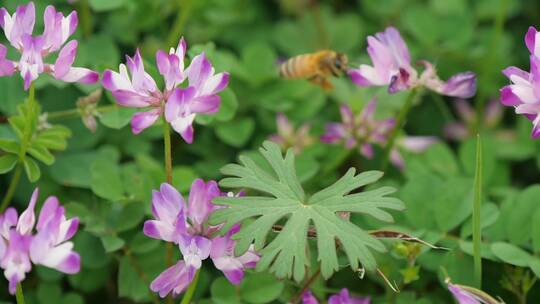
524,91
362,131
49,246
187,227
18,29
179,105
392,67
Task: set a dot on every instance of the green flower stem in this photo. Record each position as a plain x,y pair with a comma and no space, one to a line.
76,113
19,295
191,289
12,187
400,123
477,233
168,153
184,7
85,18
32,94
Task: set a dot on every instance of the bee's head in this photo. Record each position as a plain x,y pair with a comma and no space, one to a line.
341,62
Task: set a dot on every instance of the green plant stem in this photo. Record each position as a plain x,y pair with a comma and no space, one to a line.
12,187
400,123
191,289
76,113
19,295
85,18
477,233
184,7
305,287
168,153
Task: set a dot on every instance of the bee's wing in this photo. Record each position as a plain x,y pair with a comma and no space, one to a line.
322,81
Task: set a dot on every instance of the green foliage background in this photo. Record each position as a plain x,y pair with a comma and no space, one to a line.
106,178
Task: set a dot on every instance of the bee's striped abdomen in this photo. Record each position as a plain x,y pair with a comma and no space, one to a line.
298,67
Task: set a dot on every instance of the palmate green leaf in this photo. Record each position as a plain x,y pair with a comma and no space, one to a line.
286,255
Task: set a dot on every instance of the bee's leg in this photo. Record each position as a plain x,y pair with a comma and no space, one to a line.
321,81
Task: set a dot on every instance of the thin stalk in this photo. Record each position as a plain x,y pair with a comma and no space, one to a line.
76,113
184,7
400,123
191,289
477,233
305,287
12,187
85,18
168,174
168,153
19,295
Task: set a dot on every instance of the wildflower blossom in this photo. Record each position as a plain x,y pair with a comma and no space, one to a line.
392,67
18,29
49,246
524,91
363,131
469,295
137,89
342,297
287,137
460,130
187,227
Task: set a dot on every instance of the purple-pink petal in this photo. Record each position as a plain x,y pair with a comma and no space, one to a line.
7,67
462,296
530,41
343,297
18,25
199,70
309,298
205,104
417,144
168,210
195,249
143,120
200,201
400,81
15,261
8,220
174,279
462,85
57,28
222,255
28,217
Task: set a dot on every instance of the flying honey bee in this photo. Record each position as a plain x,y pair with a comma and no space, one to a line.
315,67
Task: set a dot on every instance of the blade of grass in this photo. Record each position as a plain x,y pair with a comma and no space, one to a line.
477,233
